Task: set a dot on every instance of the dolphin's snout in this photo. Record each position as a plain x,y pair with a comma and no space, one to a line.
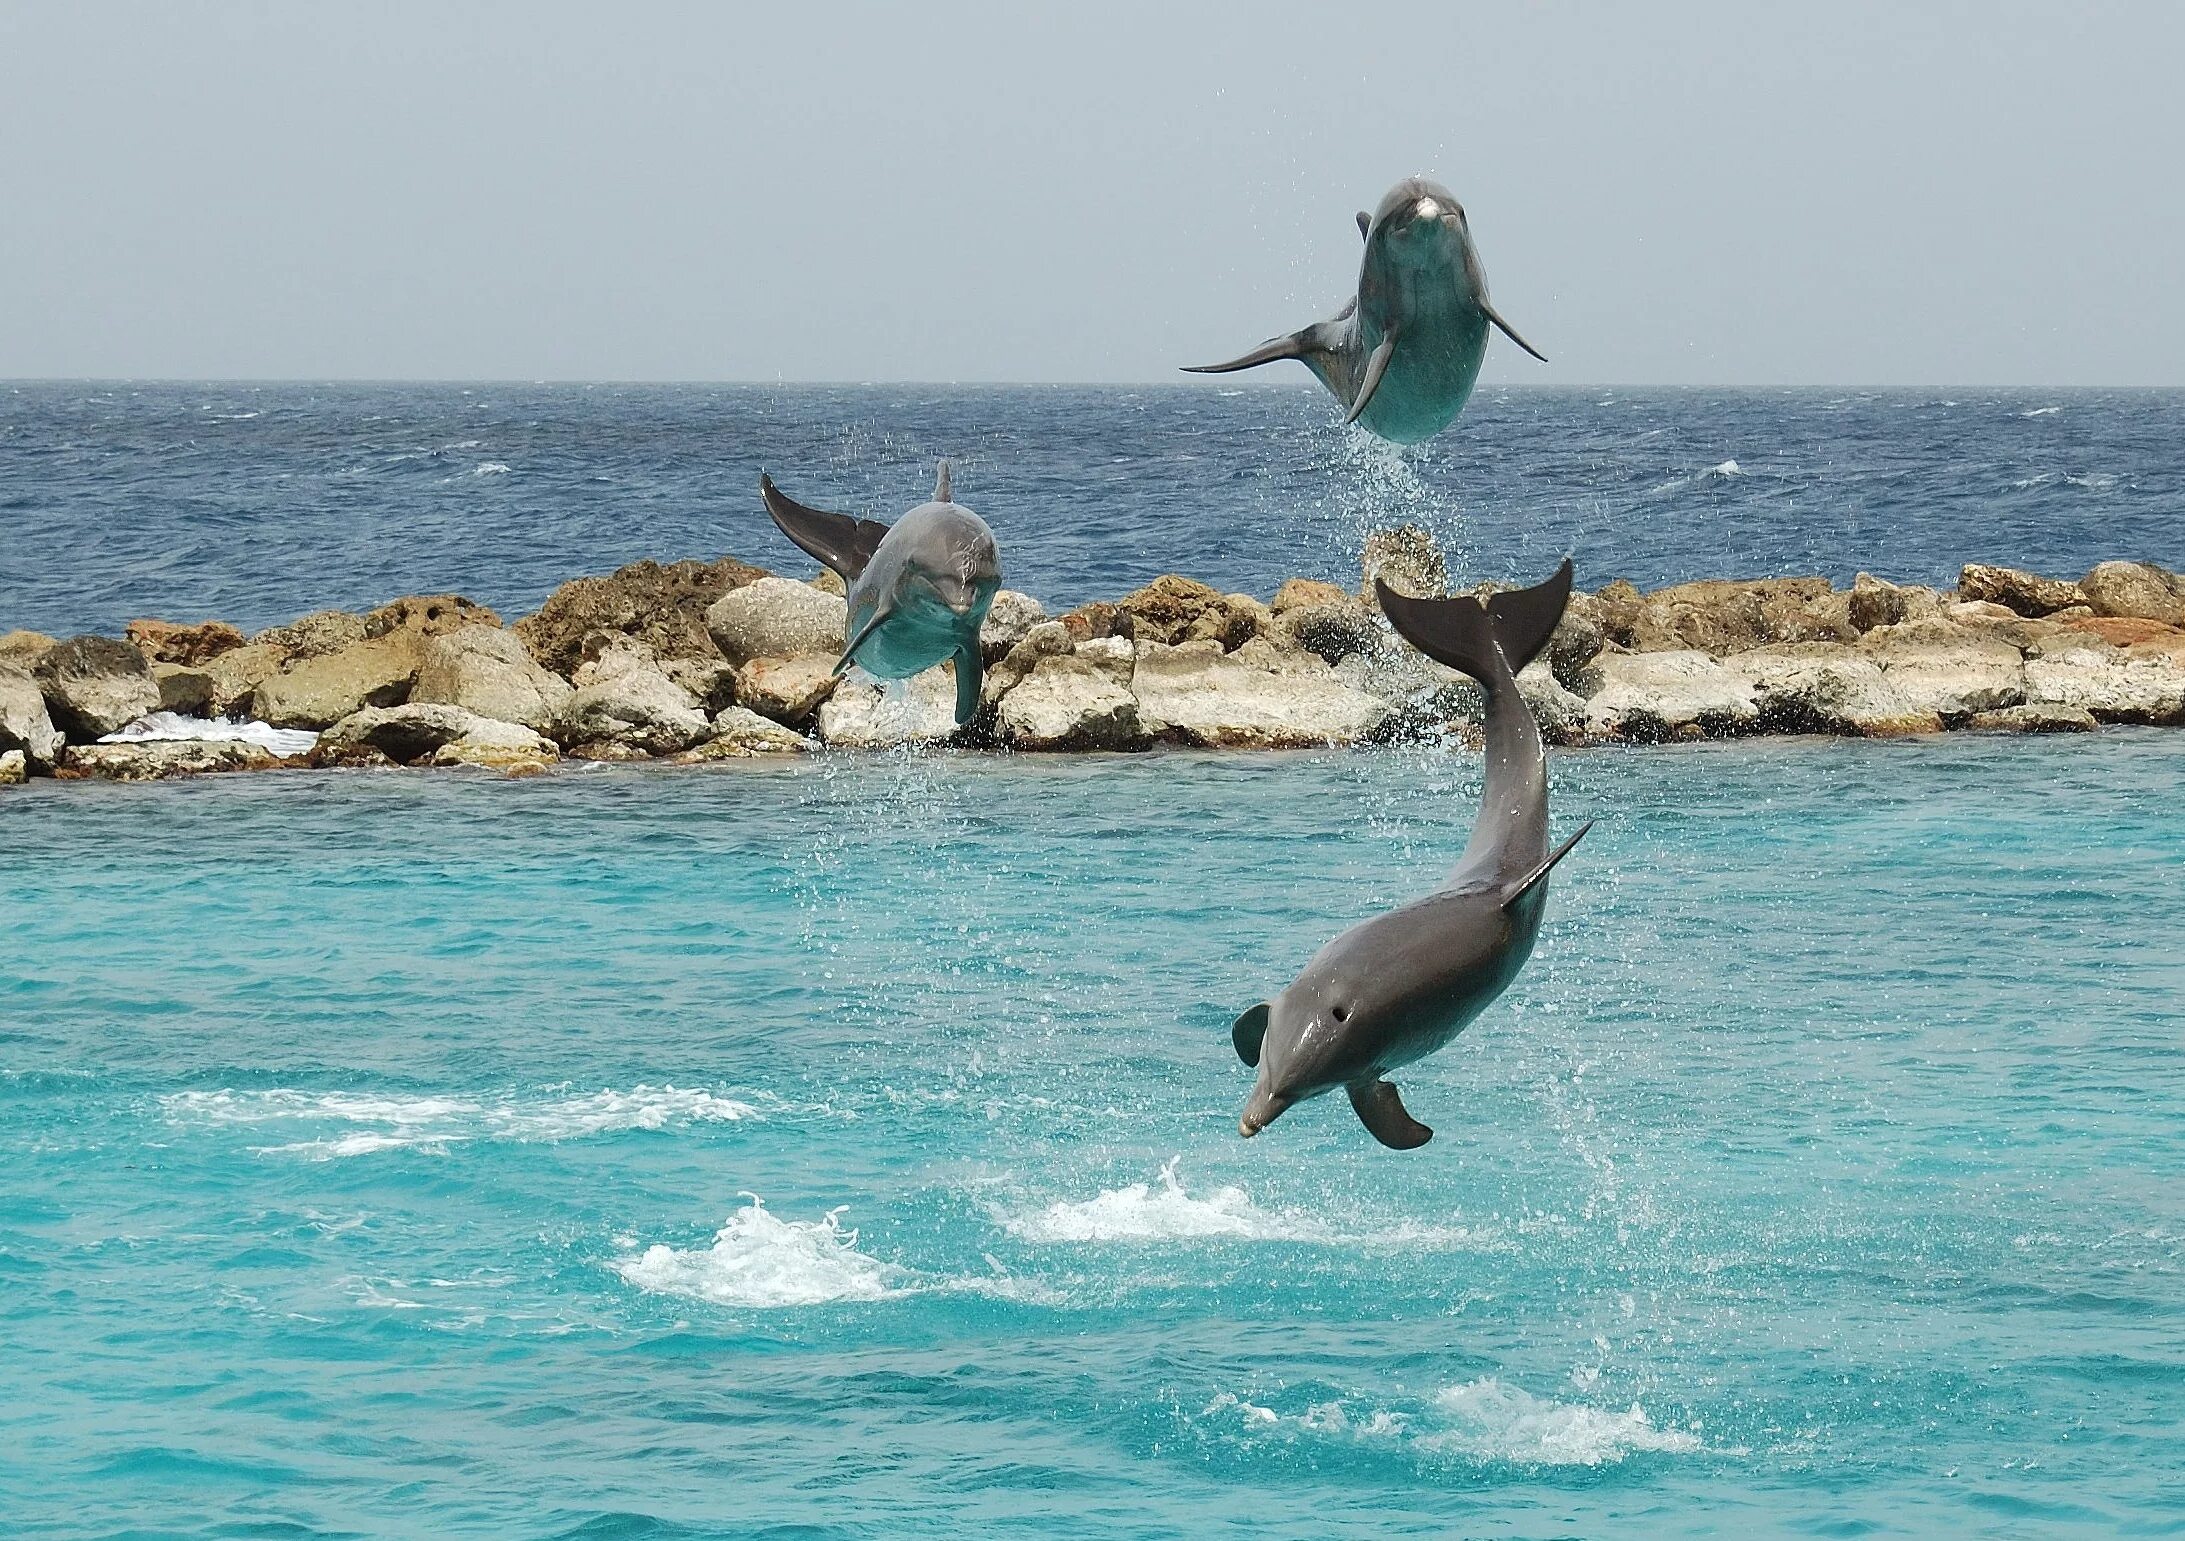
1264,1108
1427,208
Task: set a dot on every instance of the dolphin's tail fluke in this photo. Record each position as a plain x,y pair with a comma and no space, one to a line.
1465,633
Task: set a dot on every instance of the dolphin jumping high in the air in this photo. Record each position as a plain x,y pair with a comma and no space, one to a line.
1402,356
918,591
1395,988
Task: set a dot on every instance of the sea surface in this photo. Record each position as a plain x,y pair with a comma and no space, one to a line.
848,1148
256,504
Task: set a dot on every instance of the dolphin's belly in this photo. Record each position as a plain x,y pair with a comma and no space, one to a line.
920,634
1429,378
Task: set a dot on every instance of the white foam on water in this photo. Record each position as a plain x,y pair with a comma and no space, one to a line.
1493,1422
432,1123
489,468
1139,1212
760,1260
173,727
1482,1420
1727,469
2041,412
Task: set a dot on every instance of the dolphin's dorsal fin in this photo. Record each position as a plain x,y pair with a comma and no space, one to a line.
1248,1031
940,485
1524,885
1380,1107
1365,224
843,543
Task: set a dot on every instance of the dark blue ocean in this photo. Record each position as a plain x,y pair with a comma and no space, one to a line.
848,1148
256,504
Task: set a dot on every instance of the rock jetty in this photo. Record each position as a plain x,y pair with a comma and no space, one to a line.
699,662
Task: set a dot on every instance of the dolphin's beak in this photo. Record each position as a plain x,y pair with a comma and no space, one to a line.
1264,1108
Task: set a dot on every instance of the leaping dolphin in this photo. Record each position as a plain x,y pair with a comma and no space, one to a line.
918,591
1402,356
1395,988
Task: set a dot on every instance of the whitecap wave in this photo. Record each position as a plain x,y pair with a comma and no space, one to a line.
1725,471
1139,1212
760,1260
432,1124
1480,1421
489,468
173,727
2041,412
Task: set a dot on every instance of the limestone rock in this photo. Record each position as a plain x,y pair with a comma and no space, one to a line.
488,671
1193,693
1649,697
2121,631
1116,657
429,615
1068,702
1049,639
1811,688
234,676
776,618
404,734
315,635
661,607
2141,683
789,690
94,685
630,710
2021,592
1559,713
322,689
25,723
160,759
2033,717
1407,559
1576,641
1011,616
14,768
1175,609
828,581
710,681
1616,606
1301,593
1937,665
24,648
742,734
1331,629
1872,602
167,642
1728,616
863,714
508,747
183,688
2135,589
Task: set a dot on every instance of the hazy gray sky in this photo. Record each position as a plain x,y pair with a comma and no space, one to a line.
1732,193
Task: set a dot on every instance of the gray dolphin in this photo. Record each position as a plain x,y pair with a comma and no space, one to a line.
1395,988
1402,356
919,590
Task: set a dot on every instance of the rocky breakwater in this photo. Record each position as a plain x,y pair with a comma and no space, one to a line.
695,662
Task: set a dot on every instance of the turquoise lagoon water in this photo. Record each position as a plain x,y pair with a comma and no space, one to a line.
379,1154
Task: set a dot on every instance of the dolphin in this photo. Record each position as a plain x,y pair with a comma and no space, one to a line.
918,590
1403,354
1397,987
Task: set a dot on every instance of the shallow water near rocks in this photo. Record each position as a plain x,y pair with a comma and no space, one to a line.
849,1148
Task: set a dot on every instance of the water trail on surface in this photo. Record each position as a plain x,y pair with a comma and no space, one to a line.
432,1123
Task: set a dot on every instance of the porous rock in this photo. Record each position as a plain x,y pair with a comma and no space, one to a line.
488,671
94,685
233,678
2143,682
662,607
24,648
14,768
1175,609
2033,717
1407,559
161,759
1730,615
776,618
404,734
173,643
863,714
429,615
1811,688
1942,666
2023,593
184,688
630,709
788,690
313,636
742,734
1007,620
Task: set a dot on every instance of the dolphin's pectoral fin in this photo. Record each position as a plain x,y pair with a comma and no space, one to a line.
1376,367
1247,1032
1365,224
843,543
968,680
1381,1109
1510,331
1525,883
1292,346
849,654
